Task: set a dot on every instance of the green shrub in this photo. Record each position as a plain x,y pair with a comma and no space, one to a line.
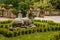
1,31
23,31
40,29
19,32
26,31
6,24
42,26
9,34
44,29
6,32
15,32
30,30
37,20
55,36
34,30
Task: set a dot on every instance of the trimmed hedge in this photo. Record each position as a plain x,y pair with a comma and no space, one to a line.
41,27
6,32
6,24
55,36
47,25
44,21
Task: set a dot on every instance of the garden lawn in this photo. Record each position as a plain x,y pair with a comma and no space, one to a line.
34,36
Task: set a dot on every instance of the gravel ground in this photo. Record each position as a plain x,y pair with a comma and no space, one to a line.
53,18
3,19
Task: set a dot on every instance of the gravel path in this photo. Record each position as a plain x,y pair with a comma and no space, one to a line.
3,19
53,18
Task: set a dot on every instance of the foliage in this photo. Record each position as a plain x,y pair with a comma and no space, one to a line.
55,3
19,4
42,10
34,36
42,3
14,11
41,26
6,24
56,36
24,4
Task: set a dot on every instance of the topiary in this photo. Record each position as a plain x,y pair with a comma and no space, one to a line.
10,34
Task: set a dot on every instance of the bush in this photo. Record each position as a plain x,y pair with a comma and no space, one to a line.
15,32
42,27
6,32
55,37
30,30
9,34
47,23
6,24
38,29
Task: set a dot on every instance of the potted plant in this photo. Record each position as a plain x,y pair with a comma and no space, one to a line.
13,15
42,14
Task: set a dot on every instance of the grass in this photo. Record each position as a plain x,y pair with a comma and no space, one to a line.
34,36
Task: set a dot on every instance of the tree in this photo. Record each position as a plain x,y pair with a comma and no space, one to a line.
19,4
55,3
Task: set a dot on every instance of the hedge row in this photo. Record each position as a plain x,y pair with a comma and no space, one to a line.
47,25
13,33
6,23
41,27
55,36
22,31
44,21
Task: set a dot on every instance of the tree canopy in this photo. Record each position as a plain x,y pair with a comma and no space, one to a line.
24,4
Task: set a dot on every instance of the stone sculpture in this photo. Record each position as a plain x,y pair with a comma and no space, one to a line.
25,22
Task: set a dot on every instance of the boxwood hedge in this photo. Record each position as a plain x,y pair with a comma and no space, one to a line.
41,26
6,24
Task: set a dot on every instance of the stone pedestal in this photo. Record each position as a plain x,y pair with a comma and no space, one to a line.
47,13
4,11
38,12
19,15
